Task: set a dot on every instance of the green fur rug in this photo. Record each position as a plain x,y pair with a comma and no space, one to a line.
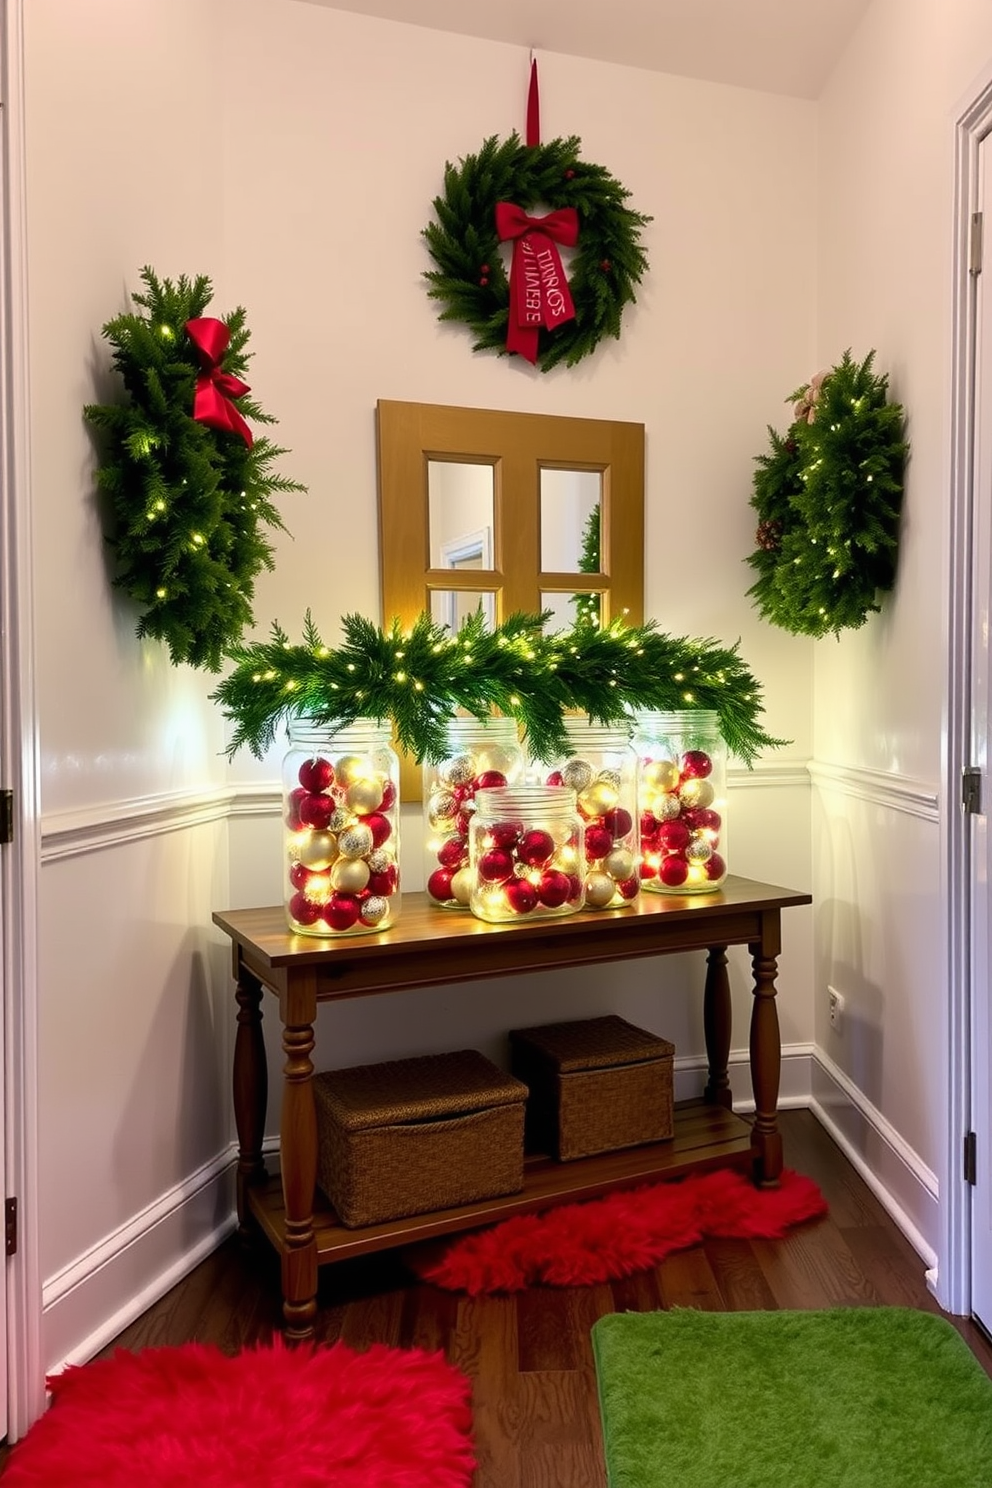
877,1397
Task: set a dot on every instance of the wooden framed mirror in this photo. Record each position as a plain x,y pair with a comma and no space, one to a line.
514,511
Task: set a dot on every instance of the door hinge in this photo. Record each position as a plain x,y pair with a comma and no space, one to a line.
10,1226
6,816
971,790
970,1158
975,244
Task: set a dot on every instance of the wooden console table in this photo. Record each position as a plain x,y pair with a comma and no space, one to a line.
428,946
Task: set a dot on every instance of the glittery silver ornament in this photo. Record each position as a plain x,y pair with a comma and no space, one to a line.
457,771
442,807
380,860
339,820
666,807
356,841
610,777
374,909
576,774
698,851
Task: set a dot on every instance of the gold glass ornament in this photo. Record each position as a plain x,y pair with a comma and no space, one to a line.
350,875
318,850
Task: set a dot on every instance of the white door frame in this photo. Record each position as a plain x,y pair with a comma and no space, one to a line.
18,755
954,1290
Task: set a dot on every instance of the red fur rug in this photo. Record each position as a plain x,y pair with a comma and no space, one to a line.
603,1239
192,1417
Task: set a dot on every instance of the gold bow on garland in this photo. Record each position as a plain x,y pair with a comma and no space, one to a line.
805,405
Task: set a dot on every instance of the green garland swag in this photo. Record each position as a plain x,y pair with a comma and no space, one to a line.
828,498
420,678
469,278
187,501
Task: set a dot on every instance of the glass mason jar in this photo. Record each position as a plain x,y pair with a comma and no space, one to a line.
481,756
682,801
341,812
601,768
526,853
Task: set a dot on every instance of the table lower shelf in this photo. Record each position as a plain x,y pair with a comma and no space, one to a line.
705,1136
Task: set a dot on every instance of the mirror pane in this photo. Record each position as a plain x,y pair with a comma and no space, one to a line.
460,513
568,610
451,607
570,508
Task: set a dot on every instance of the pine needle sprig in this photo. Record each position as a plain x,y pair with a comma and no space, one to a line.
187,505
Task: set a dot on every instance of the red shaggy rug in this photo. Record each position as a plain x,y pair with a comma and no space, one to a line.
603,1239
270,1417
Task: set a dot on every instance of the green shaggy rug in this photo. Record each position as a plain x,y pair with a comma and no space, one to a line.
877,1397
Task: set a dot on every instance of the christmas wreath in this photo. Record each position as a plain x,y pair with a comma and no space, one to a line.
421,677
187,484
828,496
555,318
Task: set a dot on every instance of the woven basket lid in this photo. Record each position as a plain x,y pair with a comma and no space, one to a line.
593,1043
426,1088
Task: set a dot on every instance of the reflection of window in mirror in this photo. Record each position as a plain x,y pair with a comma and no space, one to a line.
570,512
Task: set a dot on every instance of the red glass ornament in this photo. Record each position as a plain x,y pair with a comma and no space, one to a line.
388,795
496,865
521,895
316,811
462,823
698,817
575,888
299,874
674,836
384,882
303,910
555,778
505,834
293,802
341,911
696,764
380,826
453,853
490,779
715,866
599,841
439,884
535,847
316,775
629,887
673,872
648,870
619,821
554,888
650,826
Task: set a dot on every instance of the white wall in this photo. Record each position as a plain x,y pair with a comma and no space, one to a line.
884,232
292,152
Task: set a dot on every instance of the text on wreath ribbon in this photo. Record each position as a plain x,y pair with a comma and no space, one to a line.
215,388
539,292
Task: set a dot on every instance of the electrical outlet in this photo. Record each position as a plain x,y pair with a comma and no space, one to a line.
836,1007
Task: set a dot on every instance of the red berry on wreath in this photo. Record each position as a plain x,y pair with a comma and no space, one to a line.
484,281
605,265
570,174
483,268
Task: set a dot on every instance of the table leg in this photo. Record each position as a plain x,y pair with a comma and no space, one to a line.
766,1061
251,1088
716,1028
298,1151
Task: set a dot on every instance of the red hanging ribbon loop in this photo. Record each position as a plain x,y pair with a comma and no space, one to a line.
215,388
539,292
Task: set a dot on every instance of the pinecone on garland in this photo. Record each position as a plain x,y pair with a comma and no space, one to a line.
769,536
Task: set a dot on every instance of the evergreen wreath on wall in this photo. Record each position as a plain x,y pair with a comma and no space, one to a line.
469,279
421,677
828,496
188,486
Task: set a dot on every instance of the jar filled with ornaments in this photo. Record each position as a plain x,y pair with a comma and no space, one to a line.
341,817
526,853
601,768
682,801
481,755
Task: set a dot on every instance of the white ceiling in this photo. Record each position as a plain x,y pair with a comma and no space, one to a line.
779,46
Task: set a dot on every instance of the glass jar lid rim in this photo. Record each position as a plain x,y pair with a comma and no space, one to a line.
525,798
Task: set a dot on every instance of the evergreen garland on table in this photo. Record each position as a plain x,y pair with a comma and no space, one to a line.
469,278
828,496
188,501
421,677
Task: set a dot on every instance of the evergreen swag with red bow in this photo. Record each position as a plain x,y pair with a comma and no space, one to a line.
188,486
486,200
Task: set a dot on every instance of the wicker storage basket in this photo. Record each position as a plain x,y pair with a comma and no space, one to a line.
414,1135
595,1085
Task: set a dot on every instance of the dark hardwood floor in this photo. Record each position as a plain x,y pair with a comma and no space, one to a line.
534,1393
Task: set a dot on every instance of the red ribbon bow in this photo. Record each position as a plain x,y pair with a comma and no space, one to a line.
539,293
214,388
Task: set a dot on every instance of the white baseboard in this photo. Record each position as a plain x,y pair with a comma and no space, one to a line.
83,1309
87,1304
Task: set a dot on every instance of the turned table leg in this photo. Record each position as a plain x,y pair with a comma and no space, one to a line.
251,1088
298,1152
766,1057
716,1028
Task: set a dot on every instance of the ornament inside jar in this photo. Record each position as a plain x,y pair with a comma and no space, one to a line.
601,768
342,828
682,801
526,853
481,756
